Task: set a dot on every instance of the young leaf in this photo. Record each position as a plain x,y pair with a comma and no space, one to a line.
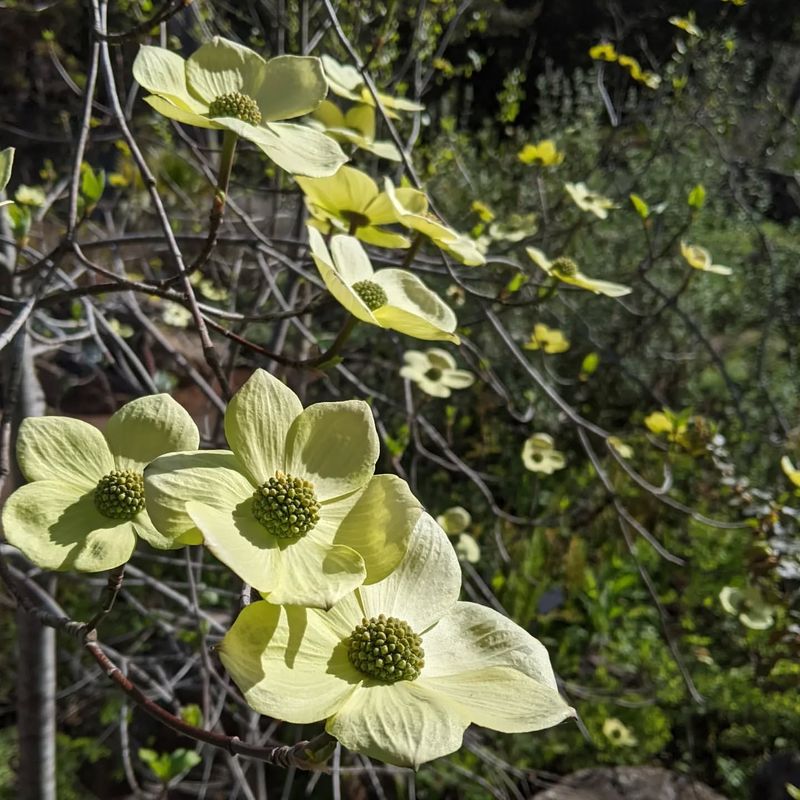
697,197
642,209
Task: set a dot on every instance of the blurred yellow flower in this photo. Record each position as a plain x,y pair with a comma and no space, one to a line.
545,153
455,521
618,733
590,201
686,24
539,454
624,450
482,210
699,258
791,472
551,340
603,52
356,127
435,372
749,606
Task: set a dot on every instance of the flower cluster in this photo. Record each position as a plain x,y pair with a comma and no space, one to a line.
339,554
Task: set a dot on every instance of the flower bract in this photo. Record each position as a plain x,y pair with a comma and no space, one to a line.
699,258
411,207
398,668
356,127
540,455
454,522
227,86
293,508
84,505
350,202
567,271
347,82
749,606
590,201
389,298
6,165
790,471
435,372
550,340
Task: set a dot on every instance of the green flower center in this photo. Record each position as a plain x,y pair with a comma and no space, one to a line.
373,296
286,506
120,494
434,374
564,266
235,104
387,649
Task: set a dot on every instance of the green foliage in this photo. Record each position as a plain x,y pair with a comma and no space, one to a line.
166,766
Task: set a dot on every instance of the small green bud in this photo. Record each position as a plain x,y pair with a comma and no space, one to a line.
287,507
237,105
385,648
120,494
373,295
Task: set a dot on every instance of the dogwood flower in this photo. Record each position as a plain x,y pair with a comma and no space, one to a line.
551,340
84,506
399,668
618,734
6,165
350,202
356,127
227,86
749,606
539,454
411,207
346,81
566,270
293,508
454,522
389,298
699,258
434,371
590,201
545,153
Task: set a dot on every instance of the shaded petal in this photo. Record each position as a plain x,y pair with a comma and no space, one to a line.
294,148
463,248
257,422
333,445
362,119
425,584
416,360
212,477
402,724
501,698
63,449
288,662
164,73
149,427
239,541
597,286
349,189
315,575
380,525
414,309
220,67
58,527
329,114
171,111
292,86
381,210
344,79
382,238
433,388
471,637
540,259
421,221
334,282
383,149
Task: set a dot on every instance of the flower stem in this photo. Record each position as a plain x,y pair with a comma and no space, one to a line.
412,251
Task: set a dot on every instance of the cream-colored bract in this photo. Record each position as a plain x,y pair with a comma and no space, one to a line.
550,340
590,201
435,372
364,520
699,258
356,127
282,88
577,278
540,455
53,519
410,307
480,667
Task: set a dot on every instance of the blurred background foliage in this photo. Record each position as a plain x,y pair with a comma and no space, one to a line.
659,669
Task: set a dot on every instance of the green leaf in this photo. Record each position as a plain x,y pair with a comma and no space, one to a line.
517,282
642,209
92,184
697,197
590,363
192,714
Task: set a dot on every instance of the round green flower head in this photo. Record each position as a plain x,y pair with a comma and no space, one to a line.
84,506
287,507
385,648
567,271
565,266
120,494
235,104
373,295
